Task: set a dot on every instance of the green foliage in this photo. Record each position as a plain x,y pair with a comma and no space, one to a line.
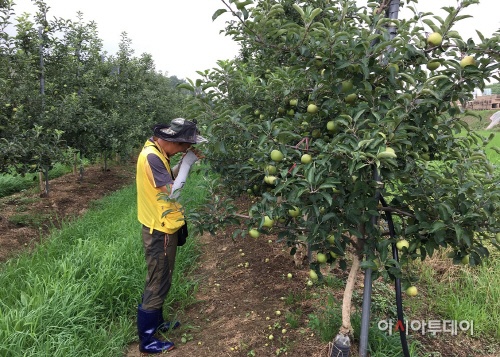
495,88
383,303
441,184
88,102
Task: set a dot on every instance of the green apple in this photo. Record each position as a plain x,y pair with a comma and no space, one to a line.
293,102
412,291
402,243
261,116
331,239
467,61
330,125
313,275
312,109
291,112
346,86
351,98
320,257
305,159
309,283
254,233
295,212
249,190
435,39
281,110
289,275
497,238
396,67
270,179
270,169
465,260
433,65
268,222
276,155
318,61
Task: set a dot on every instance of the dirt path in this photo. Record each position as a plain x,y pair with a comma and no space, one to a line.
25,216
243,285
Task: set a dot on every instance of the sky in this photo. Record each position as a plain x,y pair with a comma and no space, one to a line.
183,39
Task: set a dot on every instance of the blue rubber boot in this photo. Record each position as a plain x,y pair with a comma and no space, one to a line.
164,326
147,323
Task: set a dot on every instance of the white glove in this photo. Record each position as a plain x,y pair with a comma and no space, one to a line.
189,159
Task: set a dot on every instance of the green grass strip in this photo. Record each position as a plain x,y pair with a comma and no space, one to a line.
10,184
471,295
77,294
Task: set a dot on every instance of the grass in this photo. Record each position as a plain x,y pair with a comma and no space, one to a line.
327,320
77,294
10,183
467,294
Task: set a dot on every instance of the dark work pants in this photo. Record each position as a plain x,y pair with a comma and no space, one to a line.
160,250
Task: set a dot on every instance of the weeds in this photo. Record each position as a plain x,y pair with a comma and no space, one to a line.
77,294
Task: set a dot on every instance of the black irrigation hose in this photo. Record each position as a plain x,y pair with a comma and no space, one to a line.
397,282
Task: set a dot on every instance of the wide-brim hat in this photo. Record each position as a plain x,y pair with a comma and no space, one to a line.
180,130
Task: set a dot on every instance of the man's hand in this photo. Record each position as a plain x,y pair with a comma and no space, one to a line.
198,153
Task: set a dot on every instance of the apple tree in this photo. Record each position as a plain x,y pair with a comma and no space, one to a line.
27,142
320,99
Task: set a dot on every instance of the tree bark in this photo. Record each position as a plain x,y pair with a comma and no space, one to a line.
41,182
346,328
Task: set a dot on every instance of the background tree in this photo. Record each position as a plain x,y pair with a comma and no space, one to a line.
60,93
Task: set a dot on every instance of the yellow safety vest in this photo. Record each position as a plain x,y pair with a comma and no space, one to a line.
149,208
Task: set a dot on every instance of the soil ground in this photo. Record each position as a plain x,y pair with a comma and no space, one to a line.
238,295
28,215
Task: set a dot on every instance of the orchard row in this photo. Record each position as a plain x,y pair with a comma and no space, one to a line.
62,94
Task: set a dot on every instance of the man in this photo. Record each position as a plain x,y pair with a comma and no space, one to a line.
160,234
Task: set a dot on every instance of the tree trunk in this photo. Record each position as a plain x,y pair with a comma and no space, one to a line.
74,164
341,345
346,328
41,182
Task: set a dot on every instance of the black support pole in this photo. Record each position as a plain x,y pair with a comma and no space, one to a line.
392,13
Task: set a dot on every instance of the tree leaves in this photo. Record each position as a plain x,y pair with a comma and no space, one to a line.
218,13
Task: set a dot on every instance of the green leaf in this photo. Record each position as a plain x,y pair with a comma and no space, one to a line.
327,197
299,10
429,23
436,226
315,13
209,85
185,86
218,13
